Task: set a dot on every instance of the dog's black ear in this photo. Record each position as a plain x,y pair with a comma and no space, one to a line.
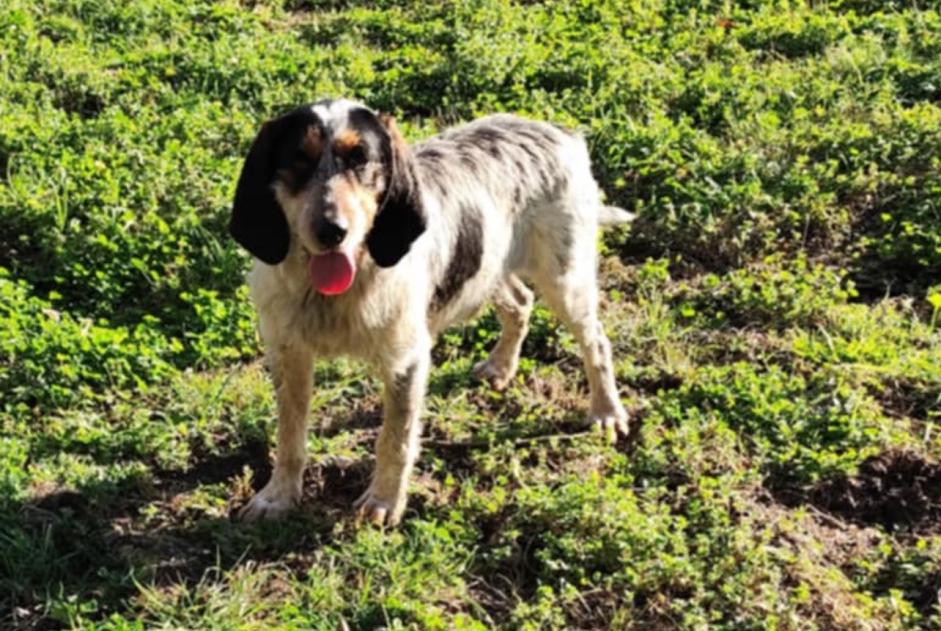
258,222
401,218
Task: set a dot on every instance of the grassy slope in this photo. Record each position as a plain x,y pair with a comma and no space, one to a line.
772,311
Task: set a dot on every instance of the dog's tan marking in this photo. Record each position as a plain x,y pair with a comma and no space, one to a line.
398,141
312,146
312,143
346,141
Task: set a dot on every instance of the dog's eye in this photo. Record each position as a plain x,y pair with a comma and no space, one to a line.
356,156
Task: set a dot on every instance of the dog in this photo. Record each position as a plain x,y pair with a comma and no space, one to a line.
368,247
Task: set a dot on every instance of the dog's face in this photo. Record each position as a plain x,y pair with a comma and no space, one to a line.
339,179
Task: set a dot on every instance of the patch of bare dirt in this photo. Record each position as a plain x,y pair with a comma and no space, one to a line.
898,490
336,483
907,398
655,383
215,468
365,413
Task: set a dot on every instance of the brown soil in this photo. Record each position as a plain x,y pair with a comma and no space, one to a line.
898,490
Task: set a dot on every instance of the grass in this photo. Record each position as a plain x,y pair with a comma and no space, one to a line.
774,313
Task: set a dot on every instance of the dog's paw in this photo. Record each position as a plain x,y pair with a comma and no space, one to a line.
497,374
379,511
272,502
612,423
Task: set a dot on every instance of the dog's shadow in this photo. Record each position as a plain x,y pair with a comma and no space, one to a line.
102,542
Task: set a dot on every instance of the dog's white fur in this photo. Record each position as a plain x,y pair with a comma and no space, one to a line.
546,238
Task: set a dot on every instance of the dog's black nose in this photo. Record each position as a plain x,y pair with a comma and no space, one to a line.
330,231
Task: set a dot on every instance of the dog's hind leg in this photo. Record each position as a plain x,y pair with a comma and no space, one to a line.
576,305
513,302
569,287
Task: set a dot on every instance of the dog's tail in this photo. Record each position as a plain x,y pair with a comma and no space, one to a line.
611,215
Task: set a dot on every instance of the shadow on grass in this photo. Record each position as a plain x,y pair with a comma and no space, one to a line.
87,551
897,491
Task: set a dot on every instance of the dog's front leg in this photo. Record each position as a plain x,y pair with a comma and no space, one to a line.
292,373
398,444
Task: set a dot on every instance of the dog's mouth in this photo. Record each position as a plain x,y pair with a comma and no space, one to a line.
332,273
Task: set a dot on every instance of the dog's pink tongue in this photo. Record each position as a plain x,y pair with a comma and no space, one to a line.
331,273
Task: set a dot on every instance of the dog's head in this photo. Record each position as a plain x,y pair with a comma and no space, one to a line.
336,176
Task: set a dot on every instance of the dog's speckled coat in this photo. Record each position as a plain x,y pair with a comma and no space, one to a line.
438,230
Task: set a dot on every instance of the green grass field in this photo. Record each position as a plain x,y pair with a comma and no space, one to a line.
774,313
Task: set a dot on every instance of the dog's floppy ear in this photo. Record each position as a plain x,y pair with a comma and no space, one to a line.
257,221
401,218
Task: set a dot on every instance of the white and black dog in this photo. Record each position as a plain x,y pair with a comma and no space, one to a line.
369,248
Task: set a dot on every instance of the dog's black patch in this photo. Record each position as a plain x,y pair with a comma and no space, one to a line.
470,158
429,155
368,126
489,140
257,221
486,136
517,196
374,147
295,162
539,147
535,158
401,217
466,255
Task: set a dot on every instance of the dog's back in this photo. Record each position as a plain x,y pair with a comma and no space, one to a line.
508,195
